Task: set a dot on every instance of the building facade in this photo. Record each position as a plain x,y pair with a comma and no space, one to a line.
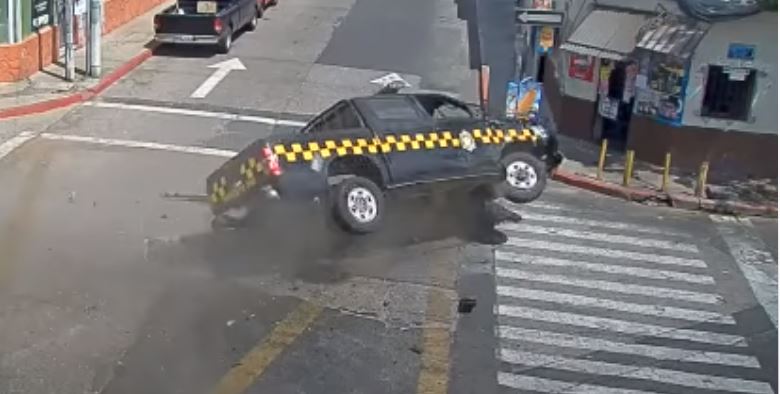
31,32
649,78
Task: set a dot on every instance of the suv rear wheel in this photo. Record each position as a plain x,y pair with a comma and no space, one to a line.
359,205
525,179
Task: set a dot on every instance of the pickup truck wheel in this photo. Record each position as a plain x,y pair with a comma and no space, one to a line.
359,205
525,177
226,43
258,15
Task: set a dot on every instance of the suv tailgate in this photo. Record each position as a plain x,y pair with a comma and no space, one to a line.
237,179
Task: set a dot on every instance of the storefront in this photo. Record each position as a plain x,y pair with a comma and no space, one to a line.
21,18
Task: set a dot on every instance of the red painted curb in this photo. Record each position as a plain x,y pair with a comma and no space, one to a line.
607,188
81,96
678,200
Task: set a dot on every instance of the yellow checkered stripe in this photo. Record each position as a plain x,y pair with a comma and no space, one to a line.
306,151
249,171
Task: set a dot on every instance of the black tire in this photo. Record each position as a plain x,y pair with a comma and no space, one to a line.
226,43
360,217
525,179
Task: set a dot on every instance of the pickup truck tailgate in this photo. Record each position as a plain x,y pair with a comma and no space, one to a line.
186,24
238,178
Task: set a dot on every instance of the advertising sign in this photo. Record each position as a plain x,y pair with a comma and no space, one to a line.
581,67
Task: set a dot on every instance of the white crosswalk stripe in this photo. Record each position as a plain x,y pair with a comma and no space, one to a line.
574,295
668,312
657,352
530,259
594,236
687,379
617,325
605,252
616,287
534,383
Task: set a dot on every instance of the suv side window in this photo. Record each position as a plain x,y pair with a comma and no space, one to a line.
392,108
340,116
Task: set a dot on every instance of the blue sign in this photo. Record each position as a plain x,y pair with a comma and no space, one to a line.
742,52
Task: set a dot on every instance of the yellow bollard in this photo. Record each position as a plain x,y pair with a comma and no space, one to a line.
629,169
602,159
667,168
701,183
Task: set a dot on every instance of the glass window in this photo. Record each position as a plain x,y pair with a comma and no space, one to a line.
392,108
444,108
4,25
728,93
342,116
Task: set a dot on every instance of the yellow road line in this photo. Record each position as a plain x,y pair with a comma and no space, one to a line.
254,363
435,361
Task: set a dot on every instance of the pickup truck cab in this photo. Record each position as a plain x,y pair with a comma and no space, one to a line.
363,150
207,22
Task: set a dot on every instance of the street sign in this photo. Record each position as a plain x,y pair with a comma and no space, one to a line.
529,16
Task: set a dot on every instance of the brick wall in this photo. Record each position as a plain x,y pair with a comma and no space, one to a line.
119,12
19,61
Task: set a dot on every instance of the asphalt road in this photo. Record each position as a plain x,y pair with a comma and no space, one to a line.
112,281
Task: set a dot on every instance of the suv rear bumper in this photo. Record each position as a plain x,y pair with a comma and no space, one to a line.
192,39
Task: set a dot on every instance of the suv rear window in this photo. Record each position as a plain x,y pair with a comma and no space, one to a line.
393,108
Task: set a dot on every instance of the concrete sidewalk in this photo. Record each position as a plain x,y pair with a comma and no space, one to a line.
724,195
122,50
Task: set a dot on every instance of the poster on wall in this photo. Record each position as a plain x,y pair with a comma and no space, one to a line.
604,72
629,87
581,67
523,98
608,107
511,98
543,4
663,93
545,39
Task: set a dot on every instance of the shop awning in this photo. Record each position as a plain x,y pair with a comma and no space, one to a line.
606,34
672,38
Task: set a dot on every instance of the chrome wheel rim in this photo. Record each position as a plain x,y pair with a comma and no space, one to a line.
362,205
521,175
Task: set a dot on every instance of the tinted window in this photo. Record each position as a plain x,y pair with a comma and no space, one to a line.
342,116
392,108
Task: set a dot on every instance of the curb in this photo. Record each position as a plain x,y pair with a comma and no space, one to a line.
80,96
680,201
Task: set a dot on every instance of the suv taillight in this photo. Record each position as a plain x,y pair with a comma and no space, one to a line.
271,161
218,25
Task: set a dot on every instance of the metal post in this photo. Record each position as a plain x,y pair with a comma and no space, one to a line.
95,27
602,159
629,170
70,66
667,168
701,183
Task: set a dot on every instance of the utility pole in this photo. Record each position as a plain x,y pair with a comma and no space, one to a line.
95,31
70,67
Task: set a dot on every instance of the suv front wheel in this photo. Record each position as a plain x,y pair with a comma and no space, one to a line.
525,179
359,205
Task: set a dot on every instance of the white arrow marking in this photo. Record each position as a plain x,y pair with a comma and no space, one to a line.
524,17
222,71
390,78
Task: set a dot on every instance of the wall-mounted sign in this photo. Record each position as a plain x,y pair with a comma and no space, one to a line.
545,39
581,67
41,13
742,52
